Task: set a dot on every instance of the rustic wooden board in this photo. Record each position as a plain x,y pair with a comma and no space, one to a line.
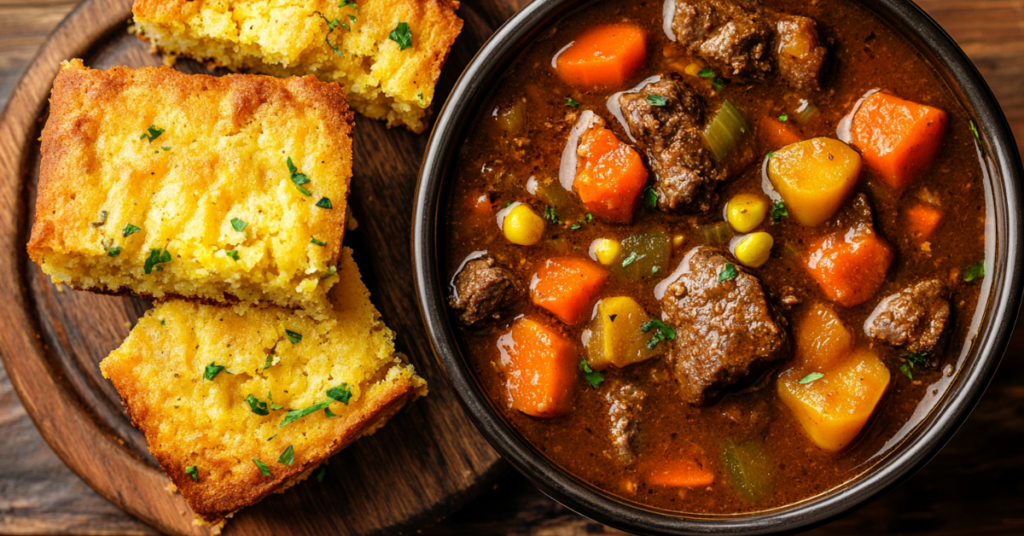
975,485
424,465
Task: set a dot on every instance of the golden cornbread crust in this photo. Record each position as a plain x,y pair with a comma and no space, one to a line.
222,156
382,81
189,420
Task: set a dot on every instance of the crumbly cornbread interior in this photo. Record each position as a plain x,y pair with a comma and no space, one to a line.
186,177
349,44
282,360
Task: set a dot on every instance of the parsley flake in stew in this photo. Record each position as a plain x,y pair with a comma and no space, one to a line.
593,377
728,272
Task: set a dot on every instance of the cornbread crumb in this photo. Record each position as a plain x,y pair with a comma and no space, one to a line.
190,420
195,169
382,81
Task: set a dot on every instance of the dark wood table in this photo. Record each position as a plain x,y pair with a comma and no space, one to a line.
975,486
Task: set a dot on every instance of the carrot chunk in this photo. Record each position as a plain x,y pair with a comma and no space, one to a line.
898,139
566,286
922,220
850,266
684,473
605,55
610,176
776,134
540,369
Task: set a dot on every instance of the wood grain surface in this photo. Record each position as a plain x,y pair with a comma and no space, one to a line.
975,486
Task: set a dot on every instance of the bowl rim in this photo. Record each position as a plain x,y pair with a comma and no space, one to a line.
934,431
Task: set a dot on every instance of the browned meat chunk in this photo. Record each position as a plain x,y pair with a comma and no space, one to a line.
670,135
481,290
626,402
734,36
801,56
727,332
913,318
741,39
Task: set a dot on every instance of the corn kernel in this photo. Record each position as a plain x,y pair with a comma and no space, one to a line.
523,226
753,250
678,240
606,250
746,211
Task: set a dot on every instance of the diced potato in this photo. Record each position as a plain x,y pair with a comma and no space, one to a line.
822,341
834,408
616,337
814,177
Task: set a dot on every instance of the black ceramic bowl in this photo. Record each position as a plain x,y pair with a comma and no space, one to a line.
1001,291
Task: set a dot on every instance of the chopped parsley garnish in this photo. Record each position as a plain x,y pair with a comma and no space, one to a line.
273,406
212,370
297,414
401,35
779,211
263,467
271,437
330,271
165,149
706,72
269,361
974,129
575,226
293,336
341,393
298,179
662,332
912,360
550,215
331,25
193,472
113,251
256,405
784,118
238,224
330,414
811,377
346,3
718,84
630,259
152,133
233,253
101,221
571,102
130,229
320,473
728,272
156,258
975,271
593,377
324,203
656,100
650,197
288,456
313,240
589,217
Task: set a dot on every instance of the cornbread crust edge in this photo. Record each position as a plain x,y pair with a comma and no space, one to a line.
214,428
382,81
72,188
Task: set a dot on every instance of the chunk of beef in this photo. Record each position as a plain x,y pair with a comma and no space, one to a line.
734,36
800,54
670,135
727,332
913,318
481,290
741,39
626,402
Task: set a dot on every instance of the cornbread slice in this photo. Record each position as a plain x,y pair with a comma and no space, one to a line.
196,417
350,44
166,184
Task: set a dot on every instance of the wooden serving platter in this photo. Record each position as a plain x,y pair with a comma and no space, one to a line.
423,465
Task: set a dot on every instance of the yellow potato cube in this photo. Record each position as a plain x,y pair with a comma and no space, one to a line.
814,177
616,336
834,407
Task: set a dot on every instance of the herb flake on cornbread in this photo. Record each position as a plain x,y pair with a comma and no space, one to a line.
235,407
218,217
387,53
